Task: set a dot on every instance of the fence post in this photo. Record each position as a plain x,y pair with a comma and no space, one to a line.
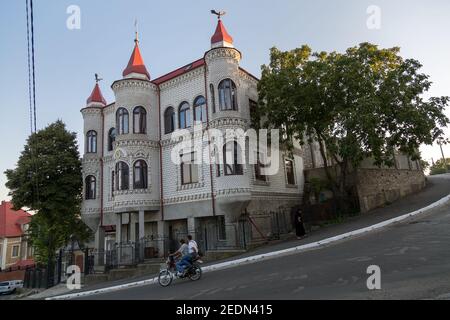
59,265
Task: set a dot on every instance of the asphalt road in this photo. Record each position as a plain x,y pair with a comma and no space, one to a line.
413,256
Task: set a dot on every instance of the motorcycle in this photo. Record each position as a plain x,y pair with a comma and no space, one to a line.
169,272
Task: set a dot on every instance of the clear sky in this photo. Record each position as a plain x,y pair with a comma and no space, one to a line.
174,33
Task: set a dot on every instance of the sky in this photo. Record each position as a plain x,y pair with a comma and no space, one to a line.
175,33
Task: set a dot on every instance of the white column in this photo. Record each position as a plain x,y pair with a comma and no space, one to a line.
163,236
119,228
141,224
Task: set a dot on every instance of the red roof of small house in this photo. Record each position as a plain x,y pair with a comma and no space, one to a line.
136,63
11,221
221,34
96,96
24,263
180,71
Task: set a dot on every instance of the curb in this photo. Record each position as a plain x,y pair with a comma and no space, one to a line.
266,256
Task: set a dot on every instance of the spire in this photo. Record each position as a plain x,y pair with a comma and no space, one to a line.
136,64
96,95
221,38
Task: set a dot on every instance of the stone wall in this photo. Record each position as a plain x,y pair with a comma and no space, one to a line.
378,187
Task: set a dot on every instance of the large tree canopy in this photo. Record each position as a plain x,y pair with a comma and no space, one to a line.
364,103
48,180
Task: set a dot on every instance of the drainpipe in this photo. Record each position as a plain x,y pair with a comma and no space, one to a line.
101,169
161,191
213,199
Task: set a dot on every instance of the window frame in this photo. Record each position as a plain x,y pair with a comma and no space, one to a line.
202,107
142,166
288,182
18,251
122,176
236,168
184,110
140,113
173,120
91,141
90,192
228,92
190,166
122,121
111,138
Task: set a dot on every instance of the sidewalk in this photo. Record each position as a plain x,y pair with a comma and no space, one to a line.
437,188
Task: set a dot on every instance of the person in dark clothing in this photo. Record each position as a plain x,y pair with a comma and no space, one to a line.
299,226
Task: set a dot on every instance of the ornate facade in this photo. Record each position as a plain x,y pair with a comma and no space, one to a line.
133,189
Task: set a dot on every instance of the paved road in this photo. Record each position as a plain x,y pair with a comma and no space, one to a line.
414,258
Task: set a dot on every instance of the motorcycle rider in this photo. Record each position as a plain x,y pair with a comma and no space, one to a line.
182,251
186,262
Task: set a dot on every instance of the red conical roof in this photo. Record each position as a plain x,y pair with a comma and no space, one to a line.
136,63
96,96
221,34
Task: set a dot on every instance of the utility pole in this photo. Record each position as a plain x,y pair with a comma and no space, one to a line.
444,162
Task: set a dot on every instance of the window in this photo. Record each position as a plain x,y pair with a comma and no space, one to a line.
184,116
90,187
15,251
258,170
200,109
189,170
91,138
169,120
231,159
122,176
122,121
140,177
290,174
113,182
213,97
227,95
111,138
139,120
253,106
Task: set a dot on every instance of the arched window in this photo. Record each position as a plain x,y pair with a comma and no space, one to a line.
140,177
232,159
169,120
122,121
200,109
139,120
227,95
90,187
213,97
91,142
122,176
111,138
184,116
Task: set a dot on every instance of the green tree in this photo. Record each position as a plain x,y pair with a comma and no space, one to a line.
366,102
48,180
440,167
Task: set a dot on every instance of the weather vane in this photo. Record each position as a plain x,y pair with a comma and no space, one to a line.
218,14
97,79
136,29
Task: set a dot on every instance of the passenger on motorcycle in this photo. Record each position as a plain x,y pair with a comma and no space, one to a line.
186,261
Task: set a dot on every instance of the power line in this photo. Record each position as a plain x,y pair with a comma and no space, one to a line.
29,67
32,56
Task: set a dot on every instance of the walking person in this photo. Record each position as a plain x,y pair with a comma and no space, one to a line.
299,225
